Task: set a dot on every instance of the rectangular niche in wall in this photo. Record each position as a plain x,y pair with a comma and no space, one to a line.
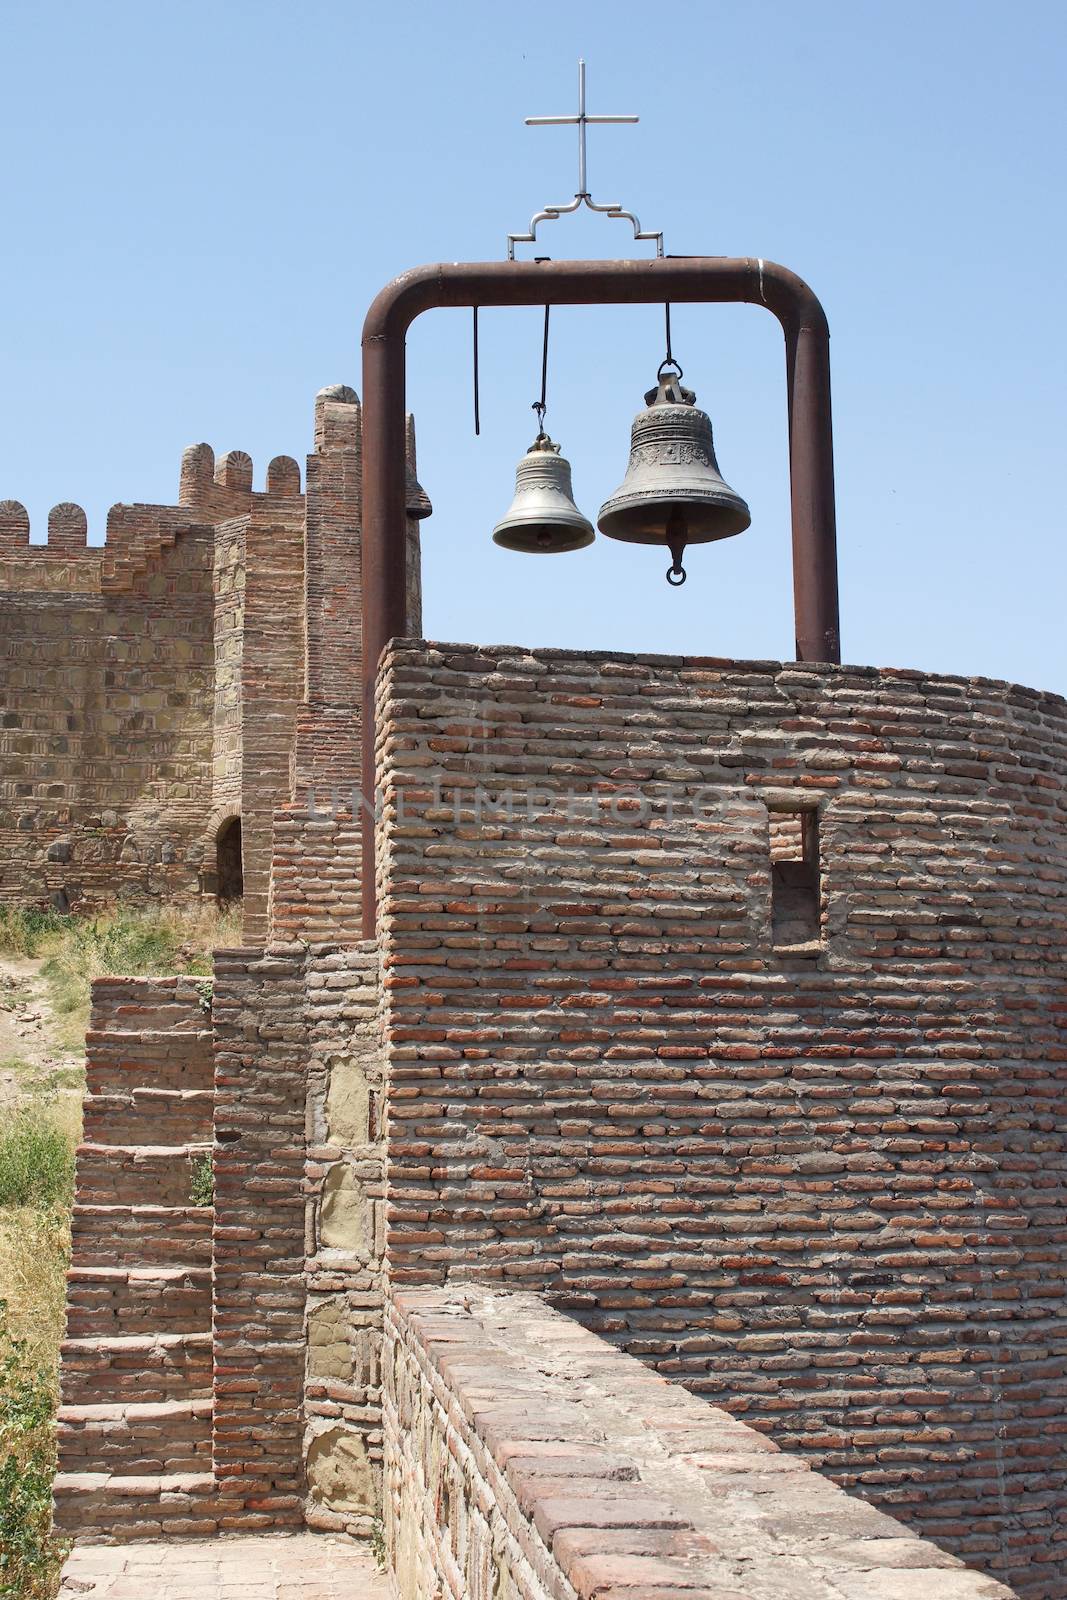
795,888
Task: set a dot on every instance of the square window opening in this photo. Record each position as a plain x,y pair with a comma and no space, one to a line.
796,890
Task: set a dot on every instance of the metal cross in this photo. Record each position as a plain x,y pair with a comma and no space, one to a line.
583,120
582,195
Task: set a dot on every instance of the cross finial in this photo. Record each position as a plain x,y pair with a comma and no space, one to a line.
583,120
582,195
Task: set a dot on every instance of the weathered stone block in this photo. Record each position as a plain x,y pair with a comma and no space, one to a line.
339,1472
345,1220
329,1349
347,1103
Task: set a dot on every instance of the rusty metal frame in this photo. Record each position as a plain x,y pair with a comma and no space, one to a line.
693,279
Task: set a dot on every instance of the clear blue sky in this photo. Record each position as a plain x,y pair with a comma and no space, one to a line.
199,202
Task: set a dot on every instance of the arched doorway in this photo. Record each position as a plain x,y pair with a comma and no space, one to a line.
229,875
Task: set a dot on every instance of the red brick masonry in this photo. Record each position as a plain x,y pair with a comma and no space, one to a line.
823,1186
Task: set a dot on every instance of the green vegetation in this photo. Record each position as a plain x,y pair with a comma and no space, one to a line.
34,1250
30,1559
36,1184
36,1162
201,1181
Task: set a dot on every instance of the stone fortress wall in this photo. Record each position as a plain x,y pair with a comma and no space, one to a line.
106,712
718,1005
121,672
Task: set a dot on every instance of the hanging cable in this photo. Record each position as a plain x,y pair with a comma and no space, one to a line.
541,406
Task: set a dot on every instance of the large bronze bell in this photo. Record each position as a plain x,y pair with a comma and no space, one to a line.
543,518
673,493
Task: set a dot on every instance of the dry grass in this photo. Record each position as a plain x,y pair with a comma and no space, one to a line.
24,930
35,1234
34,1251
128,942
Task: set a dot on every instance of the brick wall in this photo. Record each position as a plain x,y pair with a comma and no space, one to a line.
222,1364
315,870
824,1189
105,705
271,689
204,663
332,578
229,585
526,1458
315,875
132,676
344,1186
258,1244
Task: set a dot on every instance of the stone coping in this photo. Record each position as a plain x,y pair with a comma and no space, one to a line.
526,658
637,1490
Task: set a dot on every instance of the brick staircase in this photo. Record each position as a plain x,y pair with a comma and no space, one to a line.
135,1419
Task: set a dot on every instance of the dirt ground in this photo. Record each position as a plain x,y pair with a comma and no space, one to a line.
33,1063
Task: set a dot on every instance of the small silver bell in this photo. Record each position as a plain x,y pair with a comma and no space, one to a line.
543,519
673,493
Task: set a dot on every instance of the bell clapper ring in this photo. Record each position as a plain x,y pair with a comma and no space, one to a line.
669,359
669,375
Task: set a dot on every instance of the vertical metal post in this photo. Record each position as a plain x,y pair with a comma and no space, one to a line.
811,492
383,567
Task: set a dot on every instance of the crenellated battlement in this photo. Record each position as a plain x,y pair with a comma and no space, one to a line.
210,491
223,488
68,530
14,525
66,564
